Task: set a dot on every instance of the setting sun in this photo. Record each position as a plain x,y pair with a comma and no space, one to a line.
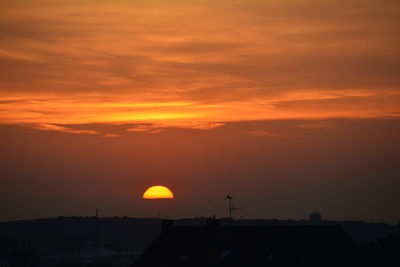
157,191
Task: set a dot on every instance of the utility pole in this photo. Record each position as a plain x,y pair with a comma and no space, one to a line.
97,234
97,228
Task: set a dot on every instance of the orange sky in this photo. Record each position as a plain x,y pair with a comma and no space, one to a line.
292,106
185,62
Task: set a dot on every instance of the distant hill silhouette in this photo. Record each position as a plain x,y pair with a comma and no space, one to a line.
66,234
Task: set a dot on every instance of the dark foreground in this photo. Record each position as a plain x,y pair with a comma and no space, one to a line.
118,241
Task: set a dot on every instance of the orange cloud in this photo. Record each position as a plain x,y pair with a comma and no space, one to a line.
316,125
112,135
158,128
149,128
195,63
50,127
266,133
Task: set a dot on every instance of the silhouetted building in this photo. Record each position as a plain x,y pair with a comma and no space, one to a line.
216,245
315,218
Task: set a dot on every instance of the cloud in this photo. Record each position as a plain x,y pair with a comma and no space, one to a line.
356,106
51,127
267,134
112,135
316,125
229,61
195,125
158,128
146,128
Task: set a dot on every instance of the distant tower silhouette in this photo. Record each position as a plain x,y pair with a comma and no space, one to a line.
315,218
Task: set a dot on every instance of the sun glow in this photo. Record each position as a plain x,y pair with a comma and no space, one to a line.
158,191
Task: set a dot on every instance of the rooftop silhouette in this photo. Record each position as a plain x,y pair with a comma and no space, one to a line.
215,245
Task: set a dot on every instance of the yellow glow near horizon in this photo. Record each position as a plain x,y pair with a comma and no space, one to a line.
157,192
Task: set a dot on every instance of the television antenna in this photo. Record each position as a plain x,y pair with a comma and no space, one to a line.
231,208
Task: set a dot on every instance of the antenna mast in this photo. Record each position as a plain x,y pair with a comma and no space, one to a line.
231,208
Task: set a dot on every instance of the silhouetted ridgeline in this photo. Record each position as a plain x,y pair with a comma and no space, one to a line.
66,234
121,234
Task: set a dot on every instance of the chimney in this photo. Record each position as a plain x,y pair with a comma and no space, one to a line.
167,224
315,218
212,223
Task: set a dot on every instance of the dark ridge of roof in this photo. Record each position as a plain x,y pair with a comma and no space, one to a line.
249,246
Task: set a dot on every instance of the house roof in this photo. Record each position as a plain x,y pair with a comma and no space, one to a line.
250,246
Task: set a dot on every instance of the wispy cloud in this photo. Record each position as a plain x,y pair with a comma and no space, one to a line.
197,62
267,134
158,128
316,125
194,125
112,135
51,127
146,128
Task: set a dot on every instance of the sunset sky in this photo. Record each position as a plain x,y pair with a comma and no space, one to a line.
293,106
